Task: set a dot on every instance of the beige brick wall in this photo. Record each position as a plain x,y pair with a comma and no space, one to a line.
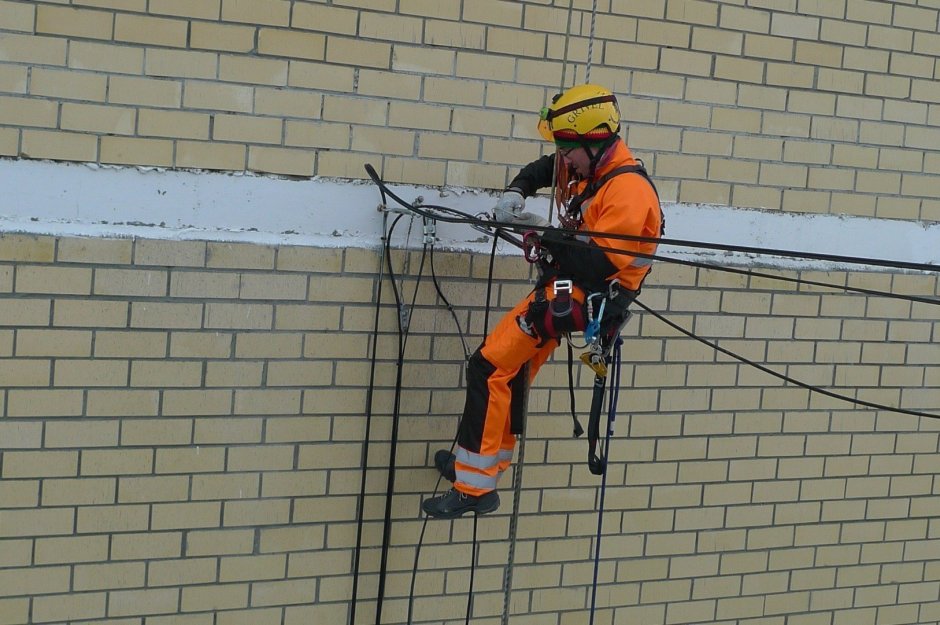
181,427
803,107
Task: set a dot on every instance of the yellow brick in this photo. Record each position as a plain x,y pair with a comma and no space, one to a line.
68,84
63,146
157,432
181,63
24,372
272,12
130,282
239,256
173,124
225,486
213,96
215,36
145,91
186,460
94,250
163,374
256,402
90,313
150,30
204,9
182,572
344,51
74,22
426,61
26,464
130,344
122,403
9,145
273,287
324,18
215,597
87,434
85,373
132,151
33,581
290,43
186,515
152,545
17,16
287,103
320,76
135,602
150,489
247,128
71,549
21,436
199,155
317,135
53,343
170,253
108,576
253,70
250,568
33,49
260,512
281,161
187,402
229,374
81,491
27,112
106,57
100,119
201,345
219,542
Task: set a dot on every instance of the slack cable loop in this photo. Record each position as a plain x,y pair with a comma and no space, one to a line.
781,376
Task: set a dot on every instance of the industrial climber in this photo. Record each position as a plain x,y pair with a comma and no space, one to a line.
601,188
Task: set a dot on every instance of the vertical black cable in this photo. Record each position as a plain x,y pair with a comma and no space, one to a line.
360,513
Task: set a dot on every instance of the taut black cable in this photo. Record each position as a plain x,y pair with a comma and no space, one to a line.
457,217
781,376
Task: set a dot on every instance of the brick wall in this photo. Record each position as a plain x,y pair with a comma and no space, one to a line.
181,434
181,422
805,107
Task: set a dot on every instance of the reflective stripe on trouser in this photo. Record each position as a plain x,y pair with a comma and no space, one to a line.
485,441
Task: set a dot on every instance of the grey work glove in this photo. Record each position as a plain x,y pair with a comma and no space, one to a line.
509,205
530,219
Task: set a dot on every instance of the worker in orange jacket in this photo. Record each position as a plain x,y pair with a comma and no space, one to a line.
601,188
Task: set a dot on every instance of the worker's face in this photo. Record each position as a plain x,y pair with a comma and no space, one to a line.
577,159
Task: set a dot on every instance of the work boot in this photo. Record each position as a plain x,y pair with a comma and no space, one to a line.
444,461
454,503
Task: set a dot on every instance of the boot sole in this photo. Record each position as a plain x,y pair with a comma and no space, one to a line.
478,510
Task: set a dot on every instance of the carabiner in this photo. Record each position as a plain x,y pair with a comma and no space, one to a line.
531,246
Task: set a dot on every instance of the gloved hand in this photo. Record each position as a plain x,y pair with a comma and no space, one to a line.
509,205
530,219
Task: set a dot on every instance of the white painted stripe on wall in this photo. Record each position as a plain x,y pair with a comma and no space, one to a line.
89,200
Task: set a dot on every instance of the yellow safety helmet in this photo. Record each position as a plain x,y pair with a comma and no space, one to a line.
582,114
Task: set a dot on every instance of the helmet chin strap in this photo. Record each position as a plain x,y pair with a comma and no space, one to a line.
596,157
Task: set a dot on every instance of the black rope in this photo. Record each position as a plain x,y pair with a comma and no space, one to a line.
781,376
370,394
451,215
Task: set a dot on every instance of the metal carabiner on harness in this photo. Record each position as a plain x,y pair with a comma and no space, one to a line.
531,246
